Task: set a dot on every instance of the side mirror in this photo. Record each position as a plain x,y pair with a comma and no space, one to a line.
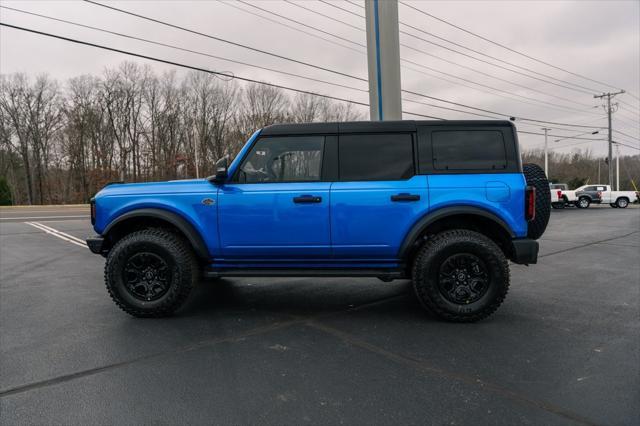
221,171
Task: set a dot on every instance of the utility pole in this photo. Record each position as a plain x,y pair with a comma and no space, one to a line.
546,152
609,109
383,59
617,167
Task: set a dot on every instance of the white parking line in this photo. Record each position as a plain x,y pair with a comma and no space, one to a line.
66,237
80,240
40,217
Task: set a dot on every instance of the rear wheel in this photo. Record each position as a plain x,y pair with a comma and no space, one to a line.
536,177
622,203
460,276
150,273
557,206
583,203
614,205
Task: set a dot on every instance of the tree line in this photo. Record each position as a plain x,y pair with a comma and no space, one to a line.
582,167
61,142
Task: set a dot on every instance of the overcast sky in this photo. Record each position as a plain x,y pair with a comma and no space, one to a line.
596,39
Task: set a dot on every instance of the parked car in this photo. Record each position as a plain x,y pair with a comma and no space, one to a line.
444,203
558,200
569,195
602,194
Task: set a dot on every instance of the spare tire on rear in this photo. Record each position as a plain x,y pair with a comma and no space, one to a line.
536,177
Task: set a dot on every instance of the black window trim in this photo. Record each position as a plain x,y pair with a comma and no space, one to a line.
236,175
513,164
414,152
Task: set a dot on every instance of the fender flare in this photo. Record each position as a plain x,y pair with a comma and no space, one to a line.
175,219
417,229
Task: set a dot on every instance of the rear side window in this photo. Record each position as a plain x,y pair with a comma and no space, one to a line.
468,150
376,157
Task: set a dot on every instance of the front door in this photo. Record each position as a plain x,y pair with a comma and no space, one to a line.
276,205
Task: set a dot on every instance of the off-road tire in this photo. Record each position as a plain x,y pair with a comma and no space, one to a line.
583,203
536,177
438,249
183,270
622,203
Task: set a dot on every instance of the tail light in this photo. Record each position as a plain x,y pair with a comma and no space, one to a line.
530,203
559,195
92,204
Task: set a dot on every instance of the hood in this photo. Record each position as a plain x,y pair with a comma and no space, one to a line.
150,188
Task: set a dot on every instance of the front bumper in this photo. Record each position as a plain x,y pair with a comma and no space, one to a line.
525,251
96,244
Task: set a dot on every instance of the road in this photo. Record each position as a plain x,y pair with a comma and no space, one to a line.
563,349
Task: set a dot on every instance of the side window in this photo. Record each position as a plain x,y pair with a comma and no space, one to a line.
602,188
283,159
590,188
375,157
468,150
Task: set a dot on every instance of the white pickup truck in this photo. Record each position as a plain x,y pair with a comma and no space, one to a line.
601,194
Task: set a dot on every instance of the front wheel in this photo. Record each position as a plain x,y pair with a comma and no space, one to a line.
150,273
622,203
583,203
460,276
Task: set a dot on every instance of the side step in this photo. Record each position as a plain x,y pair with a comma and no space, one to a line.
387,274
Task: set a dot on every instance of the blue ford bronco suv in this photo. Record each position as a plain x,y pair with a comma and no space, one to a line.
443,203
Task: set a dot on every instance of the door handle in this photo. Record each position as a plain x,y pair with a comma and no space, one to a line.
405,197
307,199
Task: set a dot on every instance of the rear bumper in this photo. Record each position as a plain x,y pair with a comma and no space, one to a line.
525,251
96,244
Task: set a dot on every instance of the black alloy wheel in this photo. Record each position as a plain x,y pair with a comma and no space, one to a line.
463,278
147,276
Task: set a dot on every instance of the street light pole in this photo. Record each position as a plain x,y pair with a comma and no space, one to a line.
383,59
546,151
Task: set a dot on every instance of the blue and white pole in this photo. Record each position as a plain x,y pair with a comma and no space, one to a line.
383,57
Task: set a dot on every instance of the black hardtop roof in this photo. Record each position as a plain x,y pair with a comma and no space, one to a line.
373,126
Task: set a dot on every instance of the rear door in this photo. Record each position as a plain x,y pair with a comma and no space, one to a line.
378,196
277,205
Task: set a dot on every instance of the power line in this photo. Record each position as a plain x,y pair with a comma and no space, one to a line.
183,49
502,45
322,14
351,76
555,106
559,136
628,104
157,21
290,27
493,76
178,64
625,134
341,8
425,53
547,104
586,89
300,23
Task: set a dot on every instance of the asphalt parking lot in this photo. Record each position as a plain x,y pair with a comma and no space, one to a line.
563,349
